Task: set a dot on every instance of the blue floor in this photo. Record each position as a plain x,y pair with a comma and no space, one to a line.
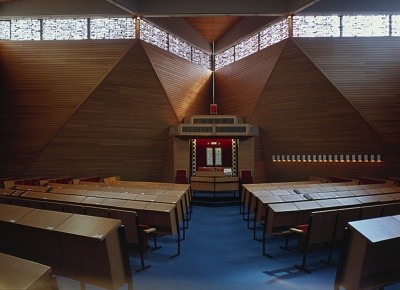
219,253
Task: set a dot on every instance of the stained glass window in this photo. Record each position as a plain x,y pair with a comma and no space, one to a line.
5,30
112,28
65,29
365,25
153,35
25,29
224,58
246,47
274,33
316,26
395,25
180,47
201,58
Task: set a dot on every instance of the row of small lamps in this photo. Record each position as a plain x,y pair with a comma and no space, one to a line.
327,158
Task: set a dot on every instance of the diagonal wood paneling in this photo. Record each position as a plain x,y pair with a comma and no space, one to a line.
301,112
239,85
212,28
366,71
120,129
42,83
187,85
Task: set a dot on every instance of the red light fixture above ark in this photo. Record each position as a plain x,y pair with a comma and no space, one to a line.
213,109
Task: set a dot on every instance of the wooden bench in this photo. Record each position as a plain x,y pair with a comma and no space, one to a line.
77,200
85,248
285,215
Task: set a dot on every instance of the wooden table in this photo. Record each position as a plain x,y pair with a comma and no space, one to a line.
17,273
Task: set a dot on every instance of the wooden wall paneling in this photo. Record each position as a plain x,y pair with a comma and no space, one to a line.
238,86
120,129
246,154
46,81
366,71
260,174
168,163
182,155
212,28
187,85
301,112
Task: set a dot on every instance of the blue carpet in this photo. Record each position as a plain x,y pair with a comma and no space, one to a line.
219,253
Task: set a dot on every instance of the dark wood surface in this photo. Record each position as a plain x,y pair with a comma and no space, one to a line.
17,273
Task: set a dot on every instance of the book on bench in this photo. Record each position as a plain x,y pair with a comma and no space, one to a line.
307,196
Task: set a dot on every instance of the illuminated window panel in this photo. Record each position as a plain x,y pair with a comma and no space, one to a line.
180,47
395,25
246,47
201,58
112,28
5,30
274,34
153,35
316,26
65,29
365,25
225,58
25,29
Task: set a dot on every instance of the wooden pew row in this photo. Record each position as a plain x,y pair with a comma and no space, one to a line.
164,217
248,189
86,179
173,187
146,191
328,226
311,192
116,185
100,190
62,180
140,191
135,233
264,197
62,241
334,179
373,180
302,187
17,273
306,187
291,192
284,216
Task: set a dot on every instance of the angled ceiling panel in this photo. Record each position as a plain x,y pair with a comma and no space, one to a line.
188,85
121,128
239,85
42,83
301,112
366,71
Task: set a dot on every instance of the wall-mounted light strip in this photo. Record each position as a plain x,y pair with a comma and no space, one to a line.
323,158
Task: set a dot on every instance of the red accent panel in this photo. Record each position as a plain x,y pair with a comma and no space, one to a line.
226,146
